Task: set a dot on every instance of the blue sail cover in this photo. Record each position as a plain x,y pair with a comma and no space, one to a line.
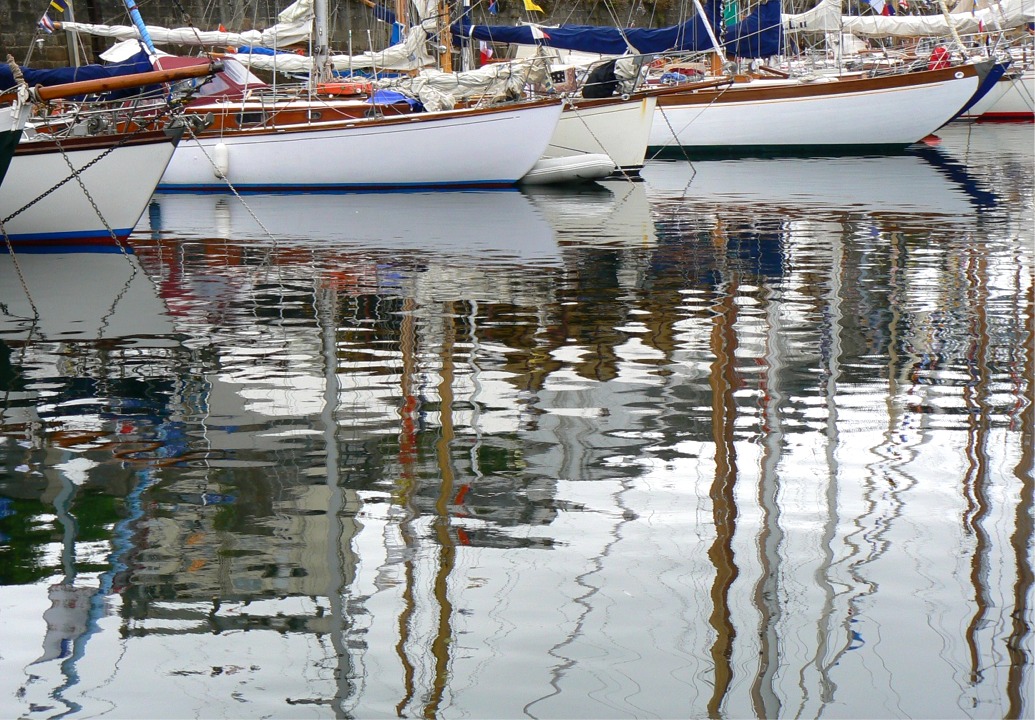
691,36
758,35
59,76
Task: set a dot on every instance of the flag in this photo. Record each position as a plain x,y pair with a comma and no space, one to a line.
537,32
484,52
878,6
45,23
529,5
494,7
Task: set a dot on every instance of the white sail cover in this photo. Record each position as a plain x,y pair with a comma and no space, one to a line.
439,90
410,54
294,25
826,17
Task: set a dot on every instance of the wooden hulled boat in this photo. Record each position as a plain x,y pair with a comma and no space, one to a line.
86,189
492,146
45,203
888,111
12,120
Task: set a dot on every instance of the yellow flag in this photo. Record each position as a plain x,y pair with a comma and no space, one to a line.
529,5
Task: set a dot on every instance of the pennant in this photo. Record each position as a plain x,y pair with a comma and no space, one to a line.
494,7
46,24
529,5
59,5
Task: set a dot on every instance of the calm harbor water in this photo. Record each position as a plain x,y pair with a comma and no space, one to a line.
750,438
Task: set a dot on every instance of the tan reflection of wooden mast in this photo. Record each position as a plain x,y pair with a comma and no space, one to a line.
1024,528
724,505
975,478
404,494
446,547
440,645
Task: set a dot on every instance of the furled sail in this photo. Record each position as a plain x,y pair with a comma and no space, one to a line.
294,25
410,54
758,35
826,17
690,36
137,63
439,90
606,40
293,28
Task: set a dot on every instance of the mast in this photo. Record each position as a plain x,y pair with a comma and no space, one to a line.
446,39
72,39
719,53
321,36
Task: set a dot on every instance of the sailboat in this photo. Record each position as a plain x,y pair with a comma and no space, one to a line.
479,147
769,115
12,120
1013,98
86,188
813,112
994,26
491,145
816,114
593,138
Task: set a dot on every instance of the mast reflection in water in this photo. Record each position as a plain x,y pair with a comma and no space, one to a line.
750,438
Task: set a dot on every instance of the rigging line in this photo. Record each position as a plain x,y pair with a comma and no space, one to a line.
668,122
33,327
188,21
74,174
230,185
106,319
93,203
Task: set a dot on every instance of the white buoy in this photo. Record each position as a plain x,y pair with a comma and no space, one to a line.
221,160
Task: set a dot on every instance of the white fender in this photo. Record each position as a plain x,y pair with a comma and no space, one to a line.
220,160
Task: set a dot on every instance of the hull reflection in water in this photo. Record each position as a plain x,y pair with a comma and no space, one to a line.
613,212
708,460
79,297
920,186
501,225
